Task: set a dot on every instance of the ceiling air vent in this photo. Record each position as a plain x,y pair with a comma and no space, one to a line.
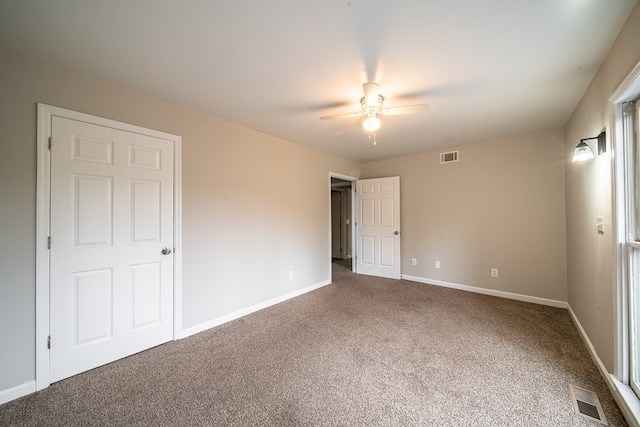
449,157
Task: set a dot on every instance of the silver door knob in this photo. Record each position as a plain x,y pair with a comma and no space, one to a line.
396,232
166,251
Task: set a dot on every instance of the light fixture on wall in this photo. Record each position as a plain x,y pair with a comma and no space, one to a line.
583,152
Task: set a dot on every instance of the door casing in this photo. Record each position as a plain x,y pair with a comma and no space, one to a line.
352,228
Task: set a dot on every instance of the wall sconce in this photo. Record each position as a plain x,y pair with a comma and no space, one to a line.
583,152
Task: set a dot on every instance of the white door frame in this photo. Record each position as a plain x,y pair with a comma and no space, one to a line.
354,254
43,215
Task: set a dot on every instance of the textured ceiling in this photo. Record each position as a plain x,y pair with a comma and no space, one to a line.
489,69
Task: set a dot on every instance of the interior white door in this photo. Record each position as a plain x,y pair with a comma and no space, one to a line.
378,227
111,286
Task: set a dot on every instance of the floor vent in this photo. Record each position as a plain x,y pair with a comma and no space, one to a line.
450,157
587,404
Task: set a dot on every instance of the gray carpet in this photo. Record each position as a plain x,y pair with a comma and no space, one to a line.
363,351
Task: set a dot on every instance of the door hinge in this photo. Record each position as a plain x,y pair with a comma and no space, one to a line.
50,143
49,342
49,242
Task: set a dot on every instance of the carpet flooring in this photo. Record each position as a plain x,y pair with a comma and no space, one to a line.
364,351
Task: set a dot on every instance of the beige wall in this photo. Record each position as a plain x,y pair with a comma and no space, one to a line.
254,207
590,257
501,206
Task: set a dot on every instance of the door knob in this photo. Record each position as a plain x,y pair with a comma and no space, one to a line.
396,232
166,251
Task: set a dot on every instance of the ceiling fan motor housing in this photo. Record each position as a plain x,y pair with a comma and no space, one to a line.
369,108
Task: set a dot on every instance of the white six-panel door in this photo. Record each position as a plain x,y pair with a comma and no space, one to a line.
111,286
378,227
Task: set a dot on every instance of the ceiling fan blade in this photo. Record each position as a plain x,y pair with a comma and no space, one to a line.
339,116
406,109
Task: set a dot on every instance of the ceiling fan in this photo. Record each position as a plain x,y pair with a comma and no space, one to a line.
372,104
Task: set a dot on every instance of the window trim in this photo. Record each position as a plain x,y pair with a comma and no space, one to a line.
628,90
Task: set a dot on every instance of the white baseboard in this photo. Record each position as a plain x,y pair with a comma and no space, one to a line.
17,391
245,311
623,395
492,292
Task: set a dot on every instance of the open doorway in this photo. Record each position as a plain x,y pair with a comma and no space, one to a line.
342,244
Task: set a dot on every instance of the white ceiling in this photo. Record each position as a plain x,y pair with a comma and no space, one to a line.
489,69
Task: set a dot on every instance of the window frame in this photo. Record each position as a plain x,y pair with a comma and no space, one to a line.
628,90
632,239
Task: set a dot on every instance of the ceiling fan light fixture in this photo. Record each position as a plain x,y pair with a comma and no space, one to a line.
372,105
371,123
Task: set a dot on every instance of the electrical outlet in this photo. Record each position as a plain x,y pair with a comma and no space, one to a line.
494,272
290,274
437,264
414,261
